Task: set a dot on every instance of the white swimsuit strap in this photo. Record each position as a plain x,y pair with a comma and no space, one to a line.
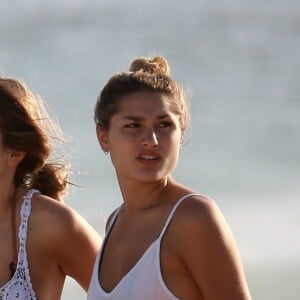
173,211
115,215
19,286
25,213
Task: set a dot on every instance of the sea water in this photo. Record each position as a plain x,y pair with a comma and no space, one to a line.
239,64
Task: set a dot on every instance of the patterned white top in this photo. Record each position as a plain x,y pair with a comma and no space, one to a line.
19,286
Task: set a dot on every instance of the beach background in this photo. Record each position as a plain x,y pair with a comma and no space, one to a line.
239,63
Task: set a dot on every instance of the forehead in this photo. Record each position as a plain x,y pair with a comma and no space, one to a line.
145,103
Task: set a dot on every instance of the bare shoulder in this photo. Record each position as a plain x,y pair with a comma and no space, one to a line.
57,218
58,229
199,216
48,210
207,246
198,209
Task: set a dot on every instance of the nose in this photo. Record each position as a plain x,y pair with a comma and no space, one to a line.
150,138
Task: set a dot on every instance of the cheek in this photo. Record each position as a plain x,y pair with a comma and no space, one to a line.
171,144
176,139
120,147
177,145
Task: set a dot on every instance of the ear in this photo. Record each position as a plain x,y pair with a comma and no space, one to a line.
15,157
102,136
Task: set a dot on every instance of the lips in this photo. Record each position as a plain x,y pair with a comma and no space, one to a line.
149,158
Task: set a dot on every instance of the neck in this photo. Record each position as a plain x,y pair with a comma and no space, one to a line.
6,195
143,195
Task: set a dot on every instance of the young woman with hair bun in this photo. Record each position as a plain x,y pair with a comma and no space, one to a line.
42,240
165,241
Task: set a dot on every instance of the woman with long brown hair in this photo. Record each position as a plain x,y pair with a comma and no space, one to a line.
166,241
41,239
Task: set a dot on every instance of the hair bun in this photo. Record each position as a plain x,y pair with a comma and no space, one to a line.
157,65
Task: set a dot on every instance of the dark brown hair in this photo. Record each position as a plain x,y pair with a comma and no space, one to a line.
144,74
25,126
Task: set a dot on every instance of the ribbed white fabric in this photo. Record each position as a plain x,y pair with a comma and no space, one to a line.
19,287
144,281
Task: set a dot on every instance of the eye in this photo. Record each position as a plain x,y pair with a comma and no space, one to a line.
165,124
132,125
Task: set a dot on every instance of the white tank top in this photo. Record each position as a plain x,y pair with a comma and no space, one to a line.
144,281
19,286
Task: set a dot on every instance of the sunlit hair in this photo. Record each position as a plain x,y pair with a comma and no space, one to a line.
25,126
144,74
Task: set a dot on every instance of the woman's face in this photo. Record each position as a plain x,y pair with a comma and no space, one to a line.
144,137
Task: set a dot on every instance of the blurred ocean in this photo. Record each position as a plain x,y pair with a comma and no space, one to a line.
239,62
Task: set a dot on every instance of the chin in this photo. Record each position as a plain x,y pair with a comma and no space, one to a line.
152,178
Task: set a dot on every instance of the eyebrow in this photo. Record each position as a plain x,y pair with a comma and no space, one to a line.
139,119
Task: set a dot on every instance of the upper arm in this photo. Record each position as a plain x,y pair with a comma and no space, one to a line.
78,244
81,236
210,252
80,248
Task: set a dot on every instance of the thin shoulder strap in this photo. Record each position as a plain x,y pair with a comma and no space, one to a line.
173,211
